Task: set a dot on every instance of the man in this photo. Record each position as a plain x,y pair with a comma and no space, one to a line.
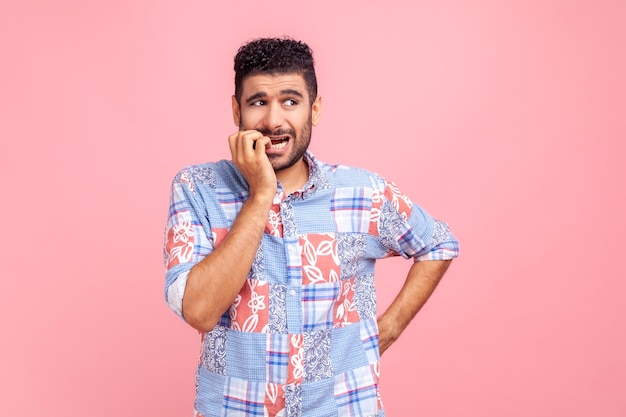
271,256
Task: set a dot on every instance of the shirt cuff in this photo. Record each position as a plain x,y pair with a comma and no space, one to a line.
444,246
175,293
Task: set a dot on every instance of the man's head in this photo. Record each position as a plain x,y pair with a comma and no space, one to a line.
276,94
275,56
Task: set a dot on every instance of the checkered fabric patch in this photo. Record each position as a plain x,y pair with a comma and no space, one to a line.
369,338
318,302
278,348
229,202
244,397
356,393
350,207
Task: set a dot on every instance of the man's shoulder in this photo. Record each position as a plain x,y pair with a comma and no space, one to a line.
222,165
351,176
213,174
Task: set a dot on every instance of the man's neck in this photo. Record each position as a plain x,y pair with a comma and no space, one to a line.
294,177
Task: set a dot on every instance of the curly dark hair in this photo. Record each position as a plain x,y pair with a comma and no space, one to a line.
275,56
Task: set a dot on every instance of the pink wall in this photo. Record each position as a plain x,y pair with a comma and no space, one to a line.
504,118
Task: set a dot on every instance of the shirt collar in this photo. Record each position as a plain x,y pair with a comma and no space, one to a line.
317,177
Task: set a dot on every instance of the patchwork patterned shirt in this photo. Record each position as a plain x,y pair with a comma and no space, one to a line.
301,338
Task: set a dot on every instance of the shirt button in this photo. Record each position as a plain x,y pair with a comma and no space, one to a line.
292,292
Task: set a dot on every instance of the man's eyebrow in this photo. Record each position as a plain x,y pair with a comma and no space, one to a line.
261,94
255,97
291,92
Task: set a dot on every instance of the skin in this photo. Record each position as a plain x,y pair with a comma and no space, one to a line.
268,103
273,107
421,281
278,106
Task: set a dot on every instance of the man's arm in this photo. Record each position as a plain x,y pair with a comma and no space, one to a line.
423,278
214,282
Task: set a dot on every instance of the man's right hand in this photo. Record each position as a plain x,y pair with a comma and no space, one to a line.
247,148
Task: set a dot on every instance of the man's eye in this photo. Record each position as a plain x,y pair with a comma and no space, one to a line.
258,103
290,102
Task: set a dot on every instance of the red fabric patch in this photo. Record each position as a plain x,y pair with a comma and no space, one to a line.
179,244
320,261
250,311
345,312
400,202
274,224
296,359
377,203
274,398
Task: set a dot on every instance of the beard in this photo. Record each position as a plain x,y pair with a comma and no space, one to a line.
299,145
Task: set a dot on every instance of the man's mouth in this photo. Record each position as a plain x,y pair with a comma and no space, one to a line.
279,142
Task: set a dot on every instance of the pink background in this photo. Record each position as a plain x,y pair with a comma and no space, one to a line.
505,118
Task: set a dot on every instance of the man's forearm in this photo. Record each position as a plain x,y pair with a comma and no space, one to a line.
214,282
422,279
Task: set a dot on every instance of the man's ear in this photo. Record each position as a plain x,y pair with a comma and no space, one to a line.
316,110
236,111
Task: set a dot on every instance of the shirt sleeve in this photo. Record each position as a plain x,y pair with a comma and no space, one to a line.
186,241
443,245
406,229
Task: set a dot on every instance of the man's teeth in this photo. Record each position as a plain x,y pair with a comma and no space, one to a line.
280,144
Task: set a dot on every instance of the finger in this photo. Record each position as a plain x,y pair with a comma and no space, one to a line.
261,143
236,142
247,139
232,143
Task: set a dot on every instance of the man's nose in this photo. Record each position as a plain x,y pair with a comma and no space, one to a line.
274,116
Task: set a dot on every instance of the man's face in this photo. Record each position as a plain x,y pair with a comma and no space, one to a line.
278,106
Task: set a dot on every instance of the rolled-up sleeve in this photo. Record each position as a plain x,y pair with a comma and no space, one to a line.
443,245
186,241
406,229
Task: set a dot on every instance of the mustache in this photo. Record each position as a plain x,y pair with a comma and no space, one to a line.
278,132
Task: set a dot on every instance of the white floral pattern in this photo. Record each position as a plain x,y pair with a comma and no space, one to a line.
293,400
390,223
365,297
213,355
441,233
351,248
328,293
180,244
319,258
317,362
296,357
345,309
249,313
400,202
277,321
197,174
274,225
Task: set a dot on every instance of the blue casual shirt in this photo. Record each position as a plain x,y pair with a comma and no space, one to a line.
301,338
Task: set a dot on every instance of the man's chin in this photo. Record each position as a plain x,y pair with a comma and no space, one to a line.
282,163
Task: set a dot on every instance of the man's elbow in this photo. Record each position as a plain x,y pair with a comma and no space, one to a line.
199,319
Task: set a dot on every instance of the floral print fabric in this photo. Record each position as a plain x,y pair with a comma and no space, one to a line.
301,338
